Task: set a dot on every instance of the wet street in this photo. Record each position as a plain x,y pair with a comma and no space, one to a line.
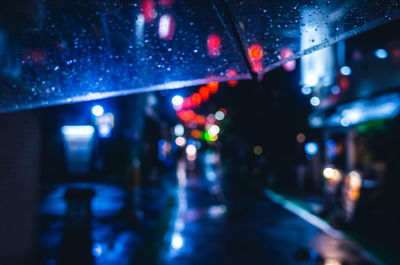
212,215
224,220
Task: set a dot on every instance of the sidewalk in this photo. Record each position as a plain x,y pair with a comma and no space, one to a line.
309,208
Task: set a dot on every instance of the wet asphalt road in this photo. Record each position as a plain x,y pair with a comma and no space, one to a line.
224,220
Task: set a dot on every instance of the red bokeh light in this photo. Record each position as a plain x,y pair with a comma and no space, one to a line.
344,83
196,99
232,83
256,52
186,115
214,45
201,120
257,67
187,103
213,87
232,73
204,93
224,111
149,10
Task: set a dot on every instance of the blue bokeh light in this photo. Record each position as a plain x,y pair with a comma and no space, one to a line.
381,54
306,90
315,101
345,70
104,131
311,148
335,90
177,241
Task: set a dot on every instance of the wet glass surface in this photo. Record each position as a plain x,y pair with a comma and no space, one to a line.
284,30
66,51
55,52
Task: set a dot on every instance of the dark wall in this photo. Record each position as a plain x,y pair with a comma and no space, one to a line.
20,141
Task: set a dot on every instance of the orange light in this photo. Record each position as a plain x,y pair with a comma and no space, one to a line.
214,45
213,87
196,134
201,120
204,93
186,115
256,52
196,99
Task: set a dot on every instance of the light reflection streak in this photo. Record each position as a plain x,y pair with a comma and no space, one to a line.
305,215
177,241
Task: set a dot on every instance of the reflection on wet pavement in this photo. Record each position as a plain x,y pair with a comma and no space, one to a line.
220,217
113,234
212,225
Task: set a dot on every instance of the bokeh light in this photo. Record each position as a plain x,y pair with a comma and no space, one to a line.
97,110
315,101
345,70
214,130
311,148
300,138
166,27
213,87
306,90
219,115
179,130
258,150
180,141
381,54
177,101
177,241
214,45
